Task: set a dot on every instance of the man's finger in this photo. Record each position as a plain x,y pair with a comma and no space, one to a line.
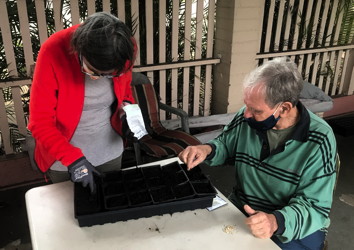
190,159
183,156
195,160
249,210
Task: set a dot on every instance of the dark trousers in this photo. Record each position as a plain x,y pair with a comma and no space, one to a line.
313,241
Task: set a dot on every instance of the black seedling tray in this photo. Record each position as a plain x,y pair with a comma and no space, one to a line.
143,192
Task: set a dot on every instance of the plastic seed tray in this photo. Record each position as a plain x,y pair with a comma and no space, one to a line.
143,192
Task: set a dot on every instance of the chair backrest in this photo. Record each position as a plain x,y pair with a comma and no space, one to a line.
161,142
145,95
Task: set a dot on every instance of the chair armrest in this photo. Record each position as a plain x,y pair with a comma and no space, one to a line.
181,113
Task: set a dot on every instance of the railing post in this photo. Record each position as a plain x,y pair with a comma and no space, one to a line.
4,126
238,32
351,83
348,83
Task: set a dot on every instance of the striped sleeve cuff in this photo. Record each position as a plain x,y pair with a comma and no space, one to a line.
281,223
212,154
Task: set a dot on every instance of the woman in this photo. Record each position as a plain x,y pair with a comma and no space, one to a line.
81,82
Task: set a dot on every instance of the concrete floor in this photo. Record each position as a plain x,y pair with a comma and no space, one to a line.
14,231
341,231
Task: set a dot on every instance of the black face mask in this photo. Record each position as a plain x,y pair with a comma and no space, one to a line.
264,125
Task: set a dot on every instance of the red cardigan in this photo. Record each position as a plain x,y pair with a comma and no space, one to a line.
57,99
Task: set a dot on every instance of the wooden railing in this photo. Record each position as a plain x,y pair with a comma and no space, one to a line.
331,64
13,120
181,63
310,33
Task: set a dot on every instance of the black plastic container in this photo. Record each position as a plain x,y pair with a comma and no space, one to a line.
195,174
162,194
152,171
156,182
203,188
115,202
142,192
85,202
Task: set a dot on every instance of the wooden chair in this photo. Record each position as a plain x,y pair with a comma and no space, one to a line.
160,142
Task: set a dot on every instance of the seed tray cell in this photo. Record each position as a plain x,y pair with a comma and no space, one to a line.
152,171
135,185
141,198
156,182
184,191
162,194
85,203
175,178
113,188
132,174
195,174
112,176
116,202
171,168
141,192
203,188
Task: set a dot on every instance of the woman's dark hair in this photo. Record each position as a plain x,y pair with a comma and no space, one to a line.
105,42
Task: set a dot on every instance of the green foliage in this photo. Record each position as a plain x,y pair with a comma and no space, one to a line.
313,24
181,53
6,75
346,35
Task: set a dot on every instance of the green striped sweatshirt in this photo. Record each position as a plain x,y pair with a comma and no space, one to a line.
296,180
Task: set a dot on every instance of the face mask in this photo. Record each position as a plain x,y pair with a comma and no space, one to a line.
265,124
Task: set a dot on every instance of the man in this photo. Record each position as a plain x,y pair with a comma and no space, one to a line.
284,157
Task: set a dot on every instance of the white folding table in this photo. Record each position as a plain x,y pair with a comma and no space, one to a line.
53,226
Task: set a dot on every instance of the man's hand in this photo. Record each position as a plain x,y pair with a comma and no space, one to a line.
82,171
194,155
262,225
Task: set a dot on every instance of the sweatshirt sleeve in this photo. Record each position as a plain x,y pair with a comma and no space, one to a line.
44,109
223,146
308,209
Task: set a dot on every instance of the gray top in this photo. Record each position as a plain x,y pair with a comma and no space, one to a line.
94,134
277,137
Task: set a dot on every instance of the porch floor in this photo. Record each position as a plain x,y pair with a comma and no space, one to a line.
14,230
